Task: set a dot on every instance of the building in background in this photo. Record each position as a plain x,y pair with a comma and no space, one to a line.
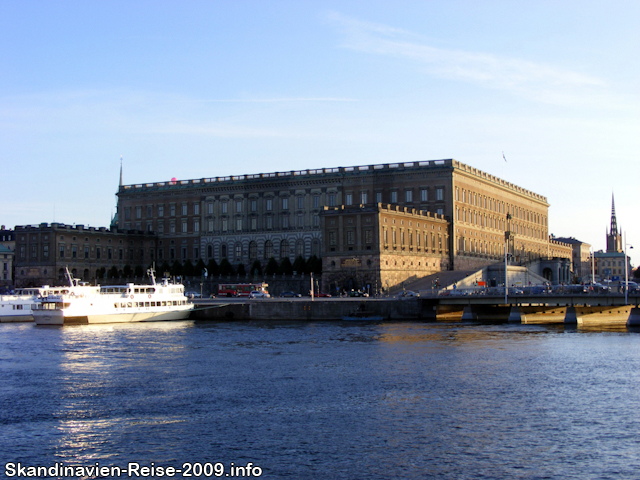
610,265
44,251
7,254
245,218
581,258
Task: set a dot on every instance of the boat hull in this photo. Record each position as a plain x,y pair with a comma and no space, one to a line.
16,318
60,317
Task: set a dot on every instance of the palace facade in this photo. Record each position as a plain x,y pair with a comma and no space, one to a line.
245,218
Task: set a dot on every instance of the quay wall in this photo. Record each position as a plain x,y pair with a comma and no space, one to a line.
280,309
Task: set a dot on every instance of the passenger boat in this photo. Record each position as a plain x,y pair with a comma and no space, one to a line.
18,307
84,304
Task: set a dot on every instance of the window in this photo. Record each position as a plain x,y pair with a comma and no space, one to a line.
138,211
86,252
210,225
210,208
285,203
300,202
363,198
254,205
254,223
394,197
184,209
440,194
239,206
350,237
172,210
285,221
269,223
408,196
238,252
225,224
316,220
269,204
45,251
268,250
333,235
368,236
424,195
332,199
196,225
378,197
239,224
161,210
316,201
348,199
300,220
225,207
196,209
149,211
184,226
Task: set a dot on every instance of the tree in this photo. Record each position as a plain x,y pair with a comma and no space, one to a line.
272,266
100,273
188,269
299,265
164,270
212,267
128,271
113,272
256,268
225,268
285,267
138,271
240,270
176,269
199,268
314,265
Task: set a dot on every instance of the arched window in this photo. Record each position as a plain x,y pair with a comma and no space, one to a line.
268,249
315,247
209,251
284,249
300,248
223,251
253,250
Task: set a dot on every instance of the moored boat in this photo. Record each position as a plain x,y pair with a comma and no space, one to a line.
18,307
114,304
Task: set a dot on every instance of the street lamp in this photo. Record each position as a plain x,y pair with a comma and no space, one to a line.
626,271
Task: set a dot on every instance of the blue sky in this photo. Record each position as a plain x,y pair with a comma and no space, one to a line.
211,88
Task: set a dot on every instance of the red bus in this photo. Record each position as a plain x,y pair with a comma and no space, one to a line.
240,289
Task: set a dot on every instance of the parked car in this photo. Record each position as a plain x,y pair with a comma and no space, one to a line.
407,294
290,294
358,293
320,294
193,294
256,294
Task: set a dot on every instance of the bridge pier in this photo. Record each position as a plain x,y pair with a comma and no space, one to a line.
469,313
634,317
570,316
515,316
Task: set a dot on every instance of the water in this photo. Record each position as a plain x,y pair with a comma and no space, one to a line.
325,400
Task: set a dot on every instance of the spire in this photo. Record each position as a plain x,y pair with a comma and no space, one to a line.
120,170
614,222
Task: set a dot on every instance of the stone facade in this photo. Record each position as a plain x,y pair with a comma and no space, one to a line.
7,254
375,248
44,251
248,217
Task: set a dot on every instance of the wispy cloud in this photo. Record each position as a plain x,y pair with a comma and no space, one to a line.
536,81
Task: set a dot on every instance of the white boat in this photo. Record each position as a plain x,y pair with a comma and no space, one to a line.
18,307
84,304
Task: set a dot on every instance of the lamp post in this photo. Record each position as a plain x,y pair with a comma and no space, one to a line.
626,271
507,236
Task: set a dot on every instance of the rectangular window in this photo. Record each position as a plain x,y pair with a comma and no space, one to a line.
210,225
138,211
316,220
127,213
74,251
348,199
363,198
184,226
196,226
160,210
86,252
210,208
225,224
424,195
408,196
45,251
333,238
439,194
172,210
269,204
285,203
368,236
196,209
172,227
98,253
394,197
378,197
184,209
350,237
300,203
269,222
316,201
254,223
254,205
332,199
149,211
285,221
225,207
239,224
300,220
239,206
161,227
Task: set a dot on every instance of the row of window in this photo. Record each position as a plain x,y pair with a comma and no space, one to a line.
490,221
482,201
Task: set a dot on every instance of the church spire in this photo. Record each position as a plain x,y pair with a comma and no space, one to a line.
121,170
614,237
614,222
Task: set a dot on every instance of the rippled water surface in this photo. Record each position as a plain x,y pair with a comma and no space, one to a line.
325,400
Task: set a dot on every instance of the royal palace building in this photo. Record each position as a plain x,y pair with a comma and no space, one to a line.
252,217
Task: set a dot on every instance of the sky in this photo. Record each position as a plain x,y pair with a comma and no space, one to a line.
213,88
